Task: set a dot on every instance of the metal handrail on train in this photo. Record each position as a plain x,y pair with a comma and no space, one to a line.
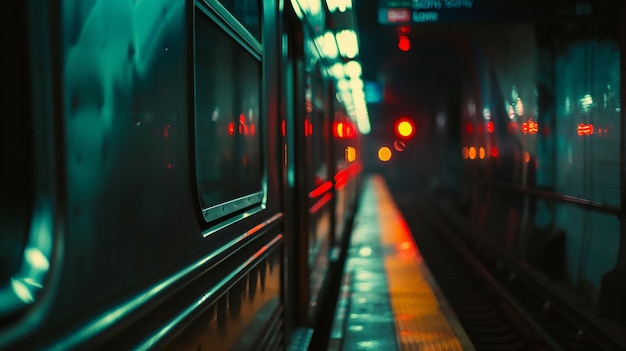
549,195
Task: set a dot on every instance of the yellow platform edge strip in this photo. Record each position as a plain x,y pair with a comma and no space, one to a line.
420,321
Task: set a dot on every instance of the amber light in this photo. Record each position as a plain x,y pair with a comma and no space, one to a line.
384,154
350,154
472,153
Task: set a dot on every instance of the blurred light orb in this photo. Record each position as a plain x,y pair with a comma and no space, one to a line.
399,145
384,154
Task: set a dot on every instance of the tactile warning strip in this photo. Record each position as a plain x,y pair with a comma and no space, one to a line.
423,319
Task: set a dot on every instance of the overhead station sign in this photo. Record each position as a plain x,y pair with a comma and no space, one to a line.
419,11
428,11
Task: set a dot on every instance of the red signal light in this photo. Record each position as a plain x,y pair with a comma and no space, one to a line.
404,43
404,128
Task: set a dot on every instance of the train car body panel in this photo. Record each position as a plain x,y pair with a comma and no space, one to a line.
159,203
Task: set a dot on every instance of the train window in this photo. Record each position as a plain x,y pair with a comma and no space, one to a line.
587,158
246,12
229,165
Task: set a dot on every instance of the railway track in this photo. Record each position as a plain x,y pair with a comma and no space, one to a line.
499,307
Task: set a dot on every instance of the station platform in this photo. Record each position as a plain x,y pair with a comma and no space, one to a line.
388,299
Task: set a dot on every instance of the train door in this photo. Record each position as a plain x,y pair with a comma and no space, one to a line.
295,285
307,175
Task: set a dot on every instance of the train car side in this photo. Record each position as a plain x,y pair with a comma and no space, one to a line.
154,202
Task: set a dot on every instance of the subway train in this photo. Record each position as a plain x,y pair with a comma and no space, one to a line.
176,174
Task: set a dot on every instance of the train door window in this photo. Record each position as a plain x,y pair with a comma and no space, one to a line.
315,125
341,159
229,164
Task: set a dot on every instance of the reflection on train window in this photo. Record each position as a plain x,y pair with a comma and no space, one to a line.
316,130
228,138
16,152
246,12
